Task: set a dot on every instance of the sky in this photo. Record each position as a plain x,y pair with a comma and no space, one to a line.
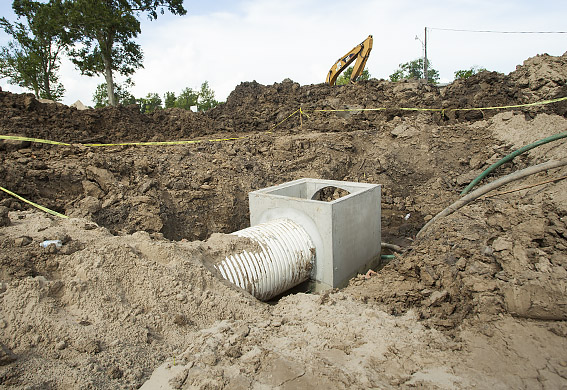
229,42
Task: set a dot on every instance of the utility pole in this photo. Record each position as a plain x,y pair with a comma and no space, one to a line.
425,57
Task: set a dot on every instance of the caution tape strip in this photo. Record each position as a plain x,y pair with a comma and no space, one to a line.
154,143
42,208
37,140
447,109
301,112
543,102
289,116
150,143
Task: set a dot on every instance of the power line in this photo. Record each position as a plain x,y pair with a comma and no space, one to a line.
499,32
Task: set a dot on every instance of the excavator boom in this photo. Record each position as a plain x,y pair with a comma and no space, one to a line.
360,53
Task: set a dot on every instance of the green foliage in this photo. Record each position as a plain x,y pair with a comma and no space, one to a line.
203,100
107,29
123,95
206,99
186,99
150,103
344,78
465,74
169,100
414,70
31,60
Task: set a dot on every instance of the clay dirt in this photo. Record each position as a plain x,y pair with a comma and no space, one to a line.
129,299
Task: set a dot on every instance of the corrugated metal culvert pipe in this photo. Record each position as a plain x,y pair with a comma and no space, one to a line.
286,258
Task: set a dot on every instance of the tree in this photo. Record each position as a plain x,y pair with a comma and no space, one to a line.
169,100
32,59
206,98
465,74
344,78
107,28
186,99
414,70
150,103
122,94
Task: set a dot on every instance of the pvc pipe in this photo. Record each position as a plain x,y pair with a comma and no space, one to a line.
392,247
285,259
491,186
511,156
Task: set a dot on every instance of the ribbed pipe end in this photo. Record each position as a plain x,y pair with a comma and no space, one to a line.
285,260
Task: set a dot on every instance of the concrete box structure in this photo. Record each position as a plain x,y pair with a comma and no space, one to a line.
346,231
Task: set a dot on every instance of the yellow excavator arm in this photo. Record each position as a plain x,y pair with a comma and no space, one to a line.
360,53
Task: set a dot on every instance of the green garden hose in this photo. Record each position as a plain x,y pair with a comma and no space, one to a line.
491,186
511,156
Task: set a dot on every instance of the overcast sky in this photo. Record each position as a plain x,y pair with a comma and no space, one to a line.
228,42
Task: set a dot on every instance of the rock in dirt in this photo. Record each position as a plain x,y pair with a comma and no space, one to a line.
4,218
6,355
103,177
23,241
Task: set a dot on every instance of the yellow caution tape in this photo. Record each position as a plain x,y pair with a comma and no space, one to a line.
153,143
289,116
419,109
512,106
38,140
353,109
33,204
448,109
301,112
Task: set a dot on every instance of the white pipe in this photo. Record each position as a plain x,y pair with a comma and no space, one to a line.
285,259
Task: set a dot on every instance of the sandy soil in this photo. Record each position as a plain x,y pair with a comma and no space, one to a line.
129,299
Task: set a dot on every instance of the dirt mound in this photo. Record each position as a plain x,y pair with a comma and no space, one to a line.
541,77
129,289
24,115
113,306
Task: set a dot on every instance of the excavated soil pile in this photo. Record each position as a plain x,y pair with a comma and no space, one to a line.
477,300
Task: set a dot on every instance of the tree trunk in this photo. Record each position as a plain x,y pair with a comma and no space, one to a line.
109,84
36,86
46,86
108,76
